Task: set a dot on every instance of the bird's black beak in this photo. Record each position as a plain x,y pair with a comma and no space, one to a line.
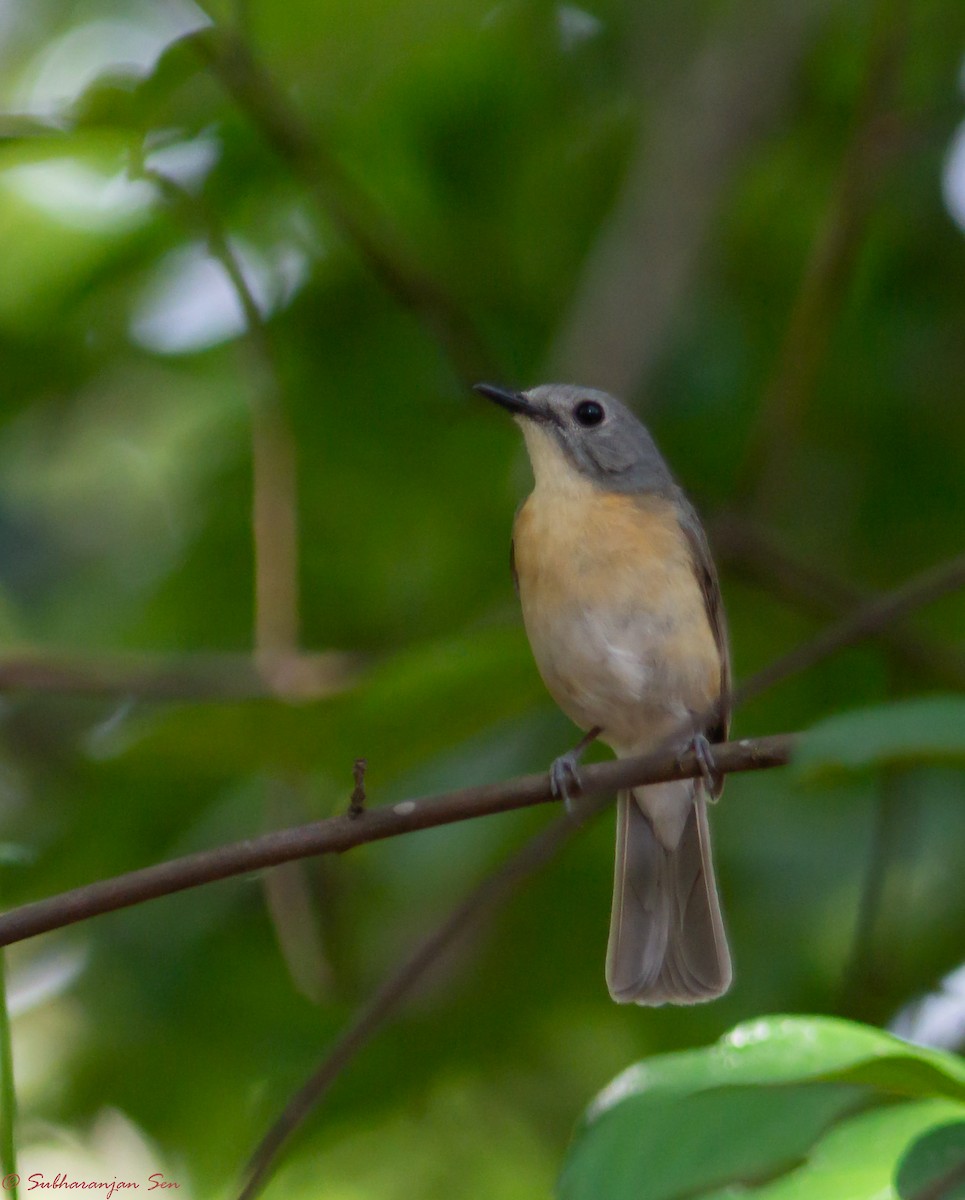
515,402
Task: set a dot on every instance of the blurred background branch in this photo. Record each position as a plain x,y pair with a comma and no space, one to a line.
274,519
379,1008
751,552
878,136
638,275
354,213
210,678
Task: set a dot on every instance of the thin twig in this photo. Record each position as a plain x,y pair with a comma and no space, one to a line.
274,478
356,804
341,833
861,976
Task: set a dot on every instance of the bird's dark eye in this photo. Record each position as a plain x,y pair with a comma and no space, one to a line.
589,413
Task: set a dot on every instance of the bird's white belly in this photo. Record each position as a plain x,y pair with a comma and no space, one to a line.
610,673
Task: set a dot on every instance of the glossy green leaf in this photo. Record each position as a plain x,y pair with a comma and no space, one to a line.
859,1158
751,1107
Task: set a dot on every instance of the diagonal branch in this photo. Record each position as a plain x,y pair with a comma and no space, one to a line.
341,833
358,218
752,552
867,621
832,261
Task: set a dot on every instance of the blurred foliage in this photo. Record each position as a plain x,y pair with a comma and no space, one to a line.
493,141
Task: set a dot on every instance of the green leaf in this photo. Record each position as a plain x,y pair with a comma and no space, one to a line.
859,1156
927,730
751,1107
934,1165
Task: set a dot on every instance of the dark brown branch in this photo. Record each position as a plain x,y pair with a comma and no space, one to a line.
210,678
364,225
342,833
752,552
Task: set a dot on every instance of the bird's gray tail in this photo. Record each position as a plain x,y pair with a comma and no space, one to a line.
667,941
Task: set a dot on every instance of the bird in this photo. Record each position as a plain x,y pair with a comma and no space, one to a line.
623,611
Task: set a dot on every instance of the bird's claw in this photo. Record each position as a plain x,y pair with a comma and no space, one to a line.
705,760
564,774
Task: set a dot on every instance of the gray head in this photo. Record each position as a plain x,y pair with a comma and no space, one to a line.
594,433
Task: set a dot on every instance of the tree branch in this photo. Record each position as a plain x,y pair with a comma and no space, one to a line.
357,217
744,547
341,833
867,621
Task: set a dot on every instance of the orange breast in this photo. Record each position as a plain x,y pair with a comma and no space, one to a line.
614,611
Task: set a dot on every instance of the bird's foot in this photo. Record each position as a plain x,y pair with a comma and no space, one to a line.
705,760
565,773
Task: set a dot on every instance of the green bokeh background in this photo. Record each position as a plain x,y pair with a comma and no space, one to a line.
506,146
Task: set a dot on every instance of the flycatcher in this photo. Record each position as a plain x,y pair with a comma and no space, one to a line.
622,607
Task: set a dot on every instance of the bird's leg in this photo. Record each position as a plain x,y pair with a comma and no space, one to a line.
564,770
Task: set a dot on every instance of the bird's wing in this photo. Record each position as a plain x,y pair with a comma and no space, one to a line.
706,573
